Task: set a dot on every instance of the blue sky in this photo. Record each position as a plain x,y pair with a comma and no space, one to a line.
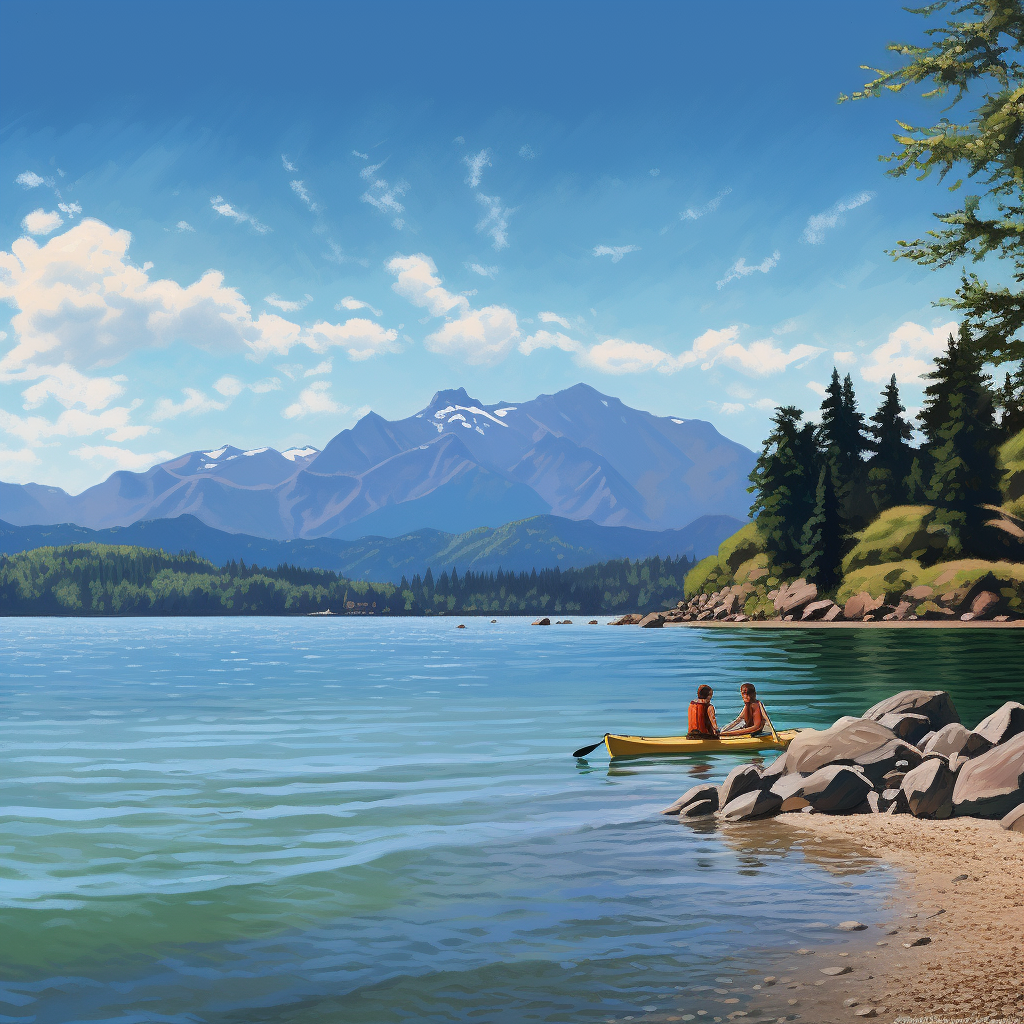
250,223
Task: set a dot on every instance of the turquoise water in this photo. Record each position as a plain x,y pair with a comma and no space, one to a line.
245,821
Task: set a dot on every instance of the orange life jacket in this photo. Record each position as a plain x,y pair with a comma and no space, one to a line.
699,719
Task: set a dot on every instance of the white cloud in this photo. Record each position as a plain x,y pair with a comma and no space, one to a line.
482,270
70,209
41,222
336,255
786,326
323,367
758,358
121,457
261,387
196,403
909,352
74,423
362,156
352,303
287,306
496,220
547,339
554,318
617,357
844,358
183,225
817,225
766,404
299,188
360,338
460,140
70,388
287,164
615,251
368,172
385,198
229,386
731,408
654,172
80,301
29,179
526,152
418,281
476,165
14,462
818,389
314,399
479,337
225,209
740,269
709,207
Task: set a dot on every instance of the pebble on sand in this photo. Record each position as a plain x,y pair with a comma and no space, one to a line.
833,972
851,926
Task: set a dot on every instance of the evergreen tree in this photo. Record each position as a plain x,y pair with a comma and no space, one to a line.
893,456
823,538
841,440
783,485
1010,401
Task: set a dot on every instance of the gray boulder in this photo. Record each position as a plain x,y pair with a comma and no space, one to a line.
836,788
744,778
700,809
999,727
653,621
794,597
776,769
541,622
755,804
857,742
907,726
1014,821
692,796
950,739
991,784
929,789
935,704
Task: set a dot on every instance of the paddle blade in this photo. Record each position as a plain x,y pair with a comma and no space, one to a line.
583,751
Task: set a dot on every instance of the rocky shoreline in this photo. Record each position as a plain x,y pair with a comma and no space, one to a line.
984,600
909,754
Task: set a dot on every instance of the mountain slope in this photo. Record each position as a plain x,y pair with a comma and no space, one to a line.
535,543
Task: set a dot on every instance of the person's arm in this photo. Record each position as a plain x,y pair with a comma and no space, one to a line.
750,729
711,719
732,725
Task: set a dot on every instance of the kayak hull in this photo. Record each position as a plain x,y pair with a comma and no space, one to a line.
639,746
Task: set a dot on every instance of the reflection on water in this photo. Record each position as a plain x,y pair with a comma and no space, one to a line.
374,821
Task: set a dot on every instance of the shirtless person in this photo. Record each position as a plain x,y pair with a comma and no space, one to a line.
752,720
702,724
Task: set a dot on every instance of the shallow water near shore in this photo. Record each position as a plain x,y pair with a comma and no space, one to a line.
373,820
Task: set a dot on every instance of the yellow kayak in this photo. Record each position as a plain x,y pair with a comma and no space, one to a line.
634,746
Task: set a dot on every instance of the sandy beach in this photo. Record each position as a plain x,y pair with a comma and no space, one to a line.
964,895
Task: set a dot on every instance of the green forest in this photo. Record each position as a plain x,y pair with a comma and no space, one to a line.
100,579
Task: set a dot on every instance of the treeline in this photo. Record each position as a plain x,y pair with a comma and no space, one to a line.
101,579
816,485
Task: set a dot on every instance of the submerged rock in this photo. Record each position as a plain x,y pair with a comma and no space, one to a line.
755,804
706,792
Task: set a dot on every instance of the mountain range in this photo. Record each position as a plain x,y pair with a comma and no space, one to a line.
454,466
542,542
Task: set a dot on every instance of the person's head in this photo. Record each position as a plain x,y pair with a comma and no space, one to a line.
748,693
704,692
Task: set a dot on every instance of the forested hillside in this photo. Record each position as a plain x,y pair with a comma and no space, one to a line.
99,579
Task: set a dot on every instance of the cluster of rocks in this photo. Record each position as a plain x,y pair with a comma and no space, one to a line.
909,754
799,602
560,622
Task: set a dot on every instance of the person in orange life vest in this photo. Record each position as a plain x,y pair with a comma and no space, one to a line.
751,721
702,724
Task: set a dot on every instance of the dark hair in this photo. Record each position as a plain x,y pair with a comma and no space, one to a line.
704,691
750,687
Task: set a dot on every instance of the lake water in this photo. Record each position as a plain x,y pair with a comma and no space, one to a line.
246,821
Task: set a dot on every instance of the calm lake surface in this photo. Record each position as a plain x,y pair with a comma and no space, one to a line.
245,821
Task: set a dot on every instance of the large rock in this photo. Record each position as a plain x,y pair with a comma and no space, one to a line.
860,605
694,795
629,619
541,622
744,778
836,788
857,742
653,621
999,727
929,789
991,784
755,804
907,726
700,809
816,610
1014,820
935,704
950,739
797,595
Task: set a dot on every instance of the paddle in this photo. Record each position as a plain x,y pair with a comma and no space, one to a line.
775,734
583,751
